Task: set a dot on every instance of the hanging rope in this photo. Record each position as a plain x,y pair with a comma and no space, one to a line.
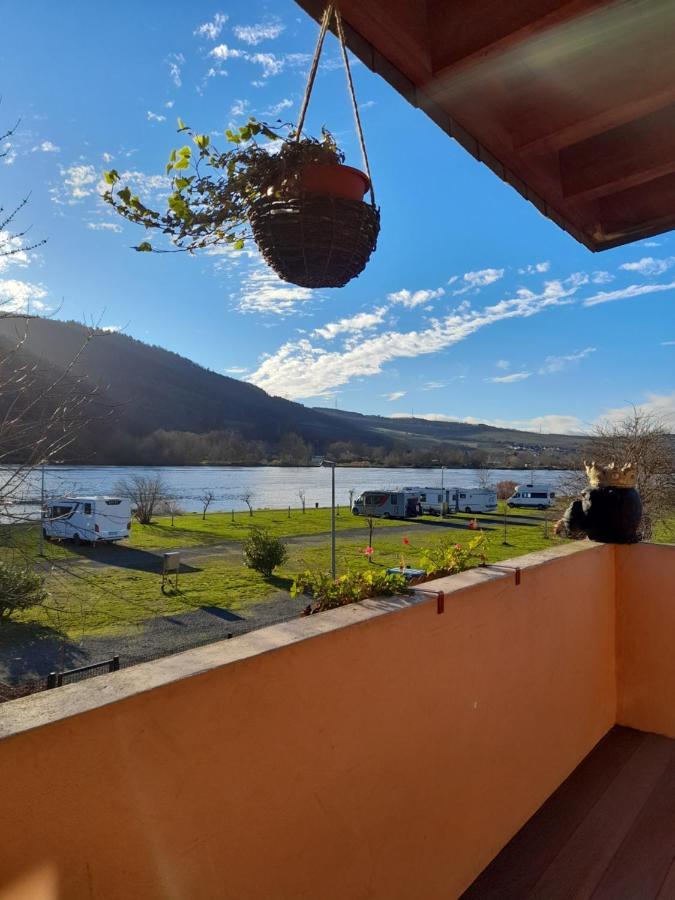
328,14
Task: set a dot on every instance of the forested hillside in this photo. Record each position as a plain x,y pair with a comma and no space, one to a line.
151,406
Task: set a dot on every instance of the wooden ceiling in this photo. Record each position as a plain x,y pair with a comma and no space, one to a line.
572,103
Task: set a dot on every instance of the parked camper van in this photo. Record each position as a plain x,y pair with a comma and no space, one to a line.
472,500
87,519
387,504
539,496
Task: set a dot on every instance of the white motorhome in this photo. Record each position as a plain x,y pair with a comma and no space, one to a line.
436,501
403,504
532,496
87,519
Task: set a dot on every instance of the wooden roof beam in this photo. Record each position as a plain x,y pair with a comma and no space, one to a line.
462,34
624,157
604,120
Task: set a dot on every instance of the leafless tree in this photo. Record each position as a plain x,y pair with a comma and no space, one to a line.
302,496
484,479
146,492
246,498
648,441
170,507
206,500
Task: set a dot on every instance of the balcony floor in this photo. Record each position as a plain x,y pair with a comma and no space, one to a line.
607,833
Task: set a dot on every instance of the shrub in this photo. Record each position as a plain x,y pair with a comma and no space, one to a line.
329,593
505,489
263,552
20,588
448,558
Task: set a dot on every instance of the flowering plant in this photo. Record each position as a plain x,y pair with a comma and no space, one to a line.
448,558
329,593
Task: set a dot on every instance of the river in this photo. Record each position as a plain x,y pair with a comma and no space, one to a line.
271,487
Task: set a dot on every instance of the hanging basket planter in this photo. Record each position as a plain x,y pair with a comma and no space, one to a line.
324,235
315,240
305,210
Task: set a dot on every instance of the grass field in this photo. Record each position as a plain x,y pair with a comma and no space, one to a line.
88,597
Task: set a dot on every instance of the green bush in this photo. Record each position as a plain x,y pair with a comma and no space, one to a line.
329,593
448,558
263,552
20,588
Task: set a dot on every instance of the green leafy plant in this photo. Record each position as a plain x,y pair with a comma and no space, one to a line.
211,191
20,588
264,552
448,558
329,593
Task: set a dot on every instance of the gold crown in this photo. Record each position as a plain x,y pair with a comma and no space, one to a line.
611,475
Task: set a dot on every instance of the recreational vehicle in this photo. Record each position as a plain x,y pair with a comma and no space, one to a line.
531,496
387,504
87,519
436,501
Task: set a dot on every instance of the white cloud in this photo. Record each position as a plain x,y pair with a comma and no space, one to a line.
279,107
239,108
264,292
601,277
652,243
79,181
112,329
46,147
223,52
169,104
535,268
394,395
503,364
661,406
10,154
255,34
107,157
558,363
21,296
668,343
235,370
155,117
649,266
271,64
633,290
175,62
508,379
412,299
298,369
11,252
434,385
359,322
211,30
474,281
104,226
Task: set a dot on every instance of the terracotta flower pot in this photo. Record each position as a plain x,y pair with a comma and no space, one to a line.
335,181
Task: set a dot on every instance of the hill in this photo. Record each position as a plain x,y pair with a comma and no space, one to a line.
158,408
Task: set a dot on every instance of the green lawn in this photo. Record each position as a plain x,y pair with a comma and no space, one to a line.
191,530
87,598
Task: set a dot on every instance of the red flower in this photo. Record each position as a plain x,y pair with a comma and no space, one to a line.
369,551
406,541
458,546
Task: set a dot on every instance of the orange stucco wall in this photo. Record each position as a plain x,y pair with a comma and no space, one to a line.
645,580
388,759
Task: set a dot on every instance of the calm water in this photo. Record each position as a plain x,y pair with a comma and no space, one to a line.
269,487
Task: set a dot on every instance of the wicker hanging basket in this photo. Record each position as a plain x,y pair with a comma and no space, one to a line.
315,240
312,239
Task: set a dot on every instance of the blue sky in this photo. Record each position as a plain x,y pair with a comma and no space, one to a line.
473,307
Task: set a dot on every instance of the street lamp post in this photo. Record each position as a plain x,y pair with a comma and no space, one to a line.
329,463
442,493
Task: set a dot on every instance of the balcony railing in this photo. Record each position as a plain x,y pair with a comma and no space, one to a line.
384,749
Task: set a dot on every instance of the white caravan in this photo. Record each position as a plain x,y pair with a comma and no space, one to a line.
436,501
402,504
87,519
532,496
